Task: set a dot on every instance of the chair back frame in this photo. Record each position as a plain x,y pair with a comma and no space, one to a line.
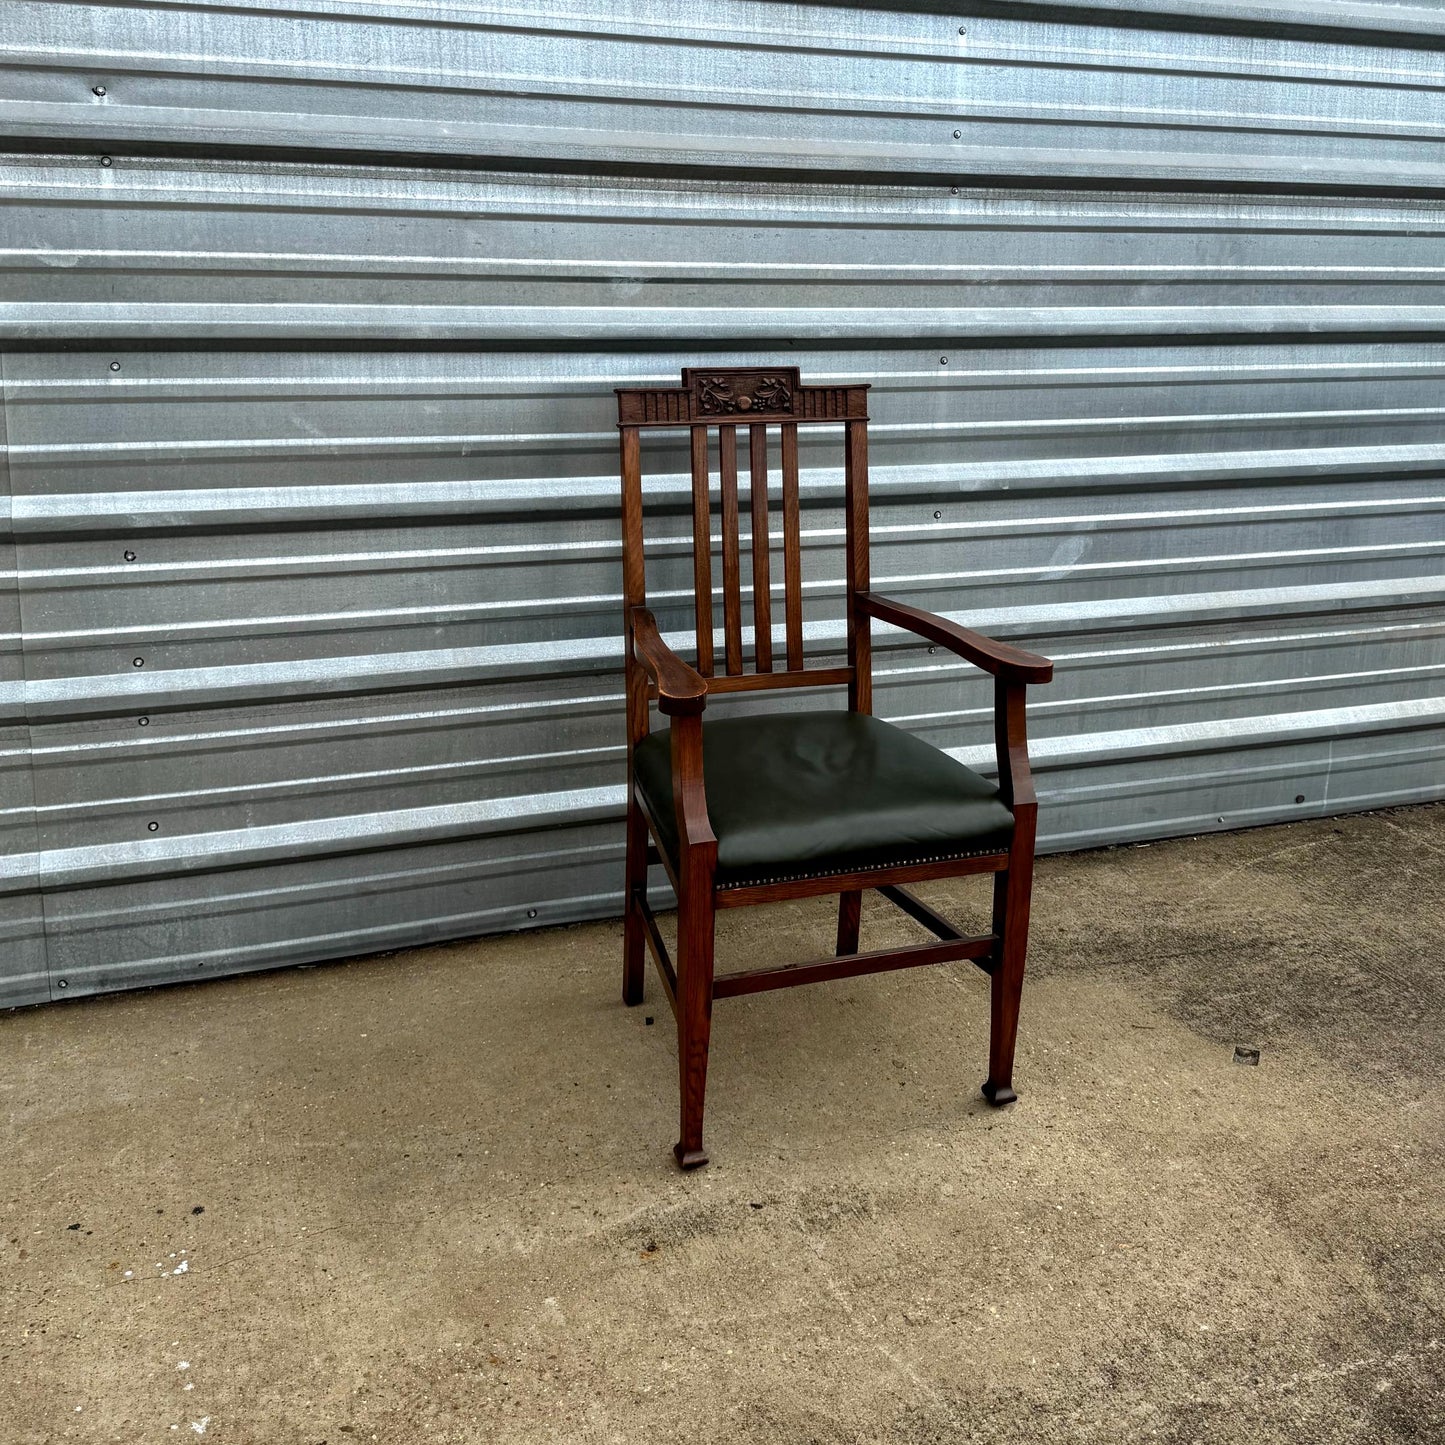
721,400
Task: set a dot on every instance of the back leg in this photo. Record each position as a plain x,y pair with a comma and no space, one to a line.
1011,893
633,940
850,913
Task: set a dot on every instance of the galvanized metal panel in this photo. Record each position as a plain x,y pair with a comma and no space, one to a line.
23,977
166,929
305,252
314,689
719,84
314,511
1365,19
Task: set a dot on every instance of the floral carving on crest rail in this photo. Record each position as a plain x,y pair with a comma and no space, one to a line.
717,397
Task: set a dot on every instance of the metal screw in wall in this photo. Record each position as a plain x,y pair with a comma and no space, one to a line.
943,361
100,89
953,190
963,29
958,135
105,160
62,983
137,662
1299,797
115,366
152,827
938,516
142,722
130,556
531,913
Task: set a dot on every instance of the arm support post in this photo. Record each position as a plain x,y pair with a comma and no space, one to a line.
689,795
1015,778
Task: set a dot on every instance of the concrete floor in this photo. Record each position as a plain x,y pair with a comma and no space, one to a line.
430,1197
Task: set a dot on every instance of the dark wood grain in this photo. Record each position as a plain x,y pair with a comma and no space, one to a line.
633,926
739,393
732,568
860,648
680,687
634,588
696,915
1011,744
668,860
762,581
759,980
850,917
1012,889
658,946
998,658
702,550
635,686
919,911
792,549
767,681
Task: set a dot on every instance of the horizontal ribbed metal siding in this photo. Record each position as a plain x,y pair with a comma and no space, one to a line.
354,423
23,971
721,84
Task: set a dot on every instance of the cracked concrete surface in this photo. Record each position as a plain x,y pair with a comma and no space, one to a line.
430,1197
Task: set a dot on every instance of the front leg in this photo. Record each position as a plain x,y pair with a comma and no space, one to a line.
696,919
1012,890
696,927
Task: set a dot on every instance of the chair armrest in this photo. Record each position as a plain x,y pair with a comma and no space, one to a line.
682,695
681,690
997,658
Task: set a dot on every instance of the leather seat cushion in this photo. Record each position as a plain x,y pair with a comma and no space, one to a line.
802,795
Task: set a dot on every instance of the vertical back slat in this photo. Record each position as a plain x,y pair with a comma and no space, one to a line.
702,549
732,581
860,646
792,549
762,581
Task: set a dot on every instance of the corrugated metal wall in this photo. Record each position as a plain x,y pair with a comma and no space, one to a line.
311,315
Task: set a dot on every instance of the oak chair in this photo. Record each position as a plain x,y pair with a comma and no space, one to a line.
752,809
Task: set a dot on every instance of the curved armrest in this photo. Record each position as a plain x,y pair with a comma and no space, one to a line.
681,690
681,694
993,657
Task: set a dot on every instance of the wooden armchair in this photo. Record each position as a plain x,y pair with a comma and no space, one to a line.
751,809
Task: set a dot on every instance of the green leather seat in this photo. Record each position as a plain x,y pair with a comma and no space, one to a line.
802,795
